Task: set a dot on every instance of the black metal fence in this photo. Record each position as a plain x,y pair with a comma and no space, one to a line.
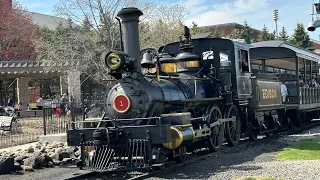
58,117
55,118
24,130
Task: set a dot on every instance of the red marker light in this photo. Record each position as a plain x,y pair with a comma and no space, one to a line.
121,103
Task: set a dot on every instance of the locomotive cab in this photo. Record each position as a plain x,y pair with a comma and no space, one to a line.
222,59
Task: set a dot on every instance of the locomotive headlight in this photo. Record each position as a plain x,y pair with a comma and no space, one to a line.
114,60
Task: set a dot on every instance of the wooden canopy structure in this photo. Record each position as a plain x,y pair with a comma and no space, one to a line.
32,69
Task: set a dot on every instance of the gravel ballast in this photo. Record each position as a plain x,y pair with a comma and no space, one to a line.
249,159
252,159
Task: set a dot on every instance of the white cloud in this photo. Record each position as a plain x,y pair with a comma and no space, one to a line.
223,12
256,12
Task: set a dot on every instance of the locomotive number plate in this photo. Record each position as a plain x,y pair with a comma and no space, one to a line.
121,103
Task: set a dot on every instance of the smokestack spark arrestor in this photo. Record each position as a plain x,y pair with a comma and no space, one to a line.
130,19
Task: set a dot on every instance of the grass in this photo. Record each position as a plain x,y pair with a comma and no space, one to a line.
259,178
308,149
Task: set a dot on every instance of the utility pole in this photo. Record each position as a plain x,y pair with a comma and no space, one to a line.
276,18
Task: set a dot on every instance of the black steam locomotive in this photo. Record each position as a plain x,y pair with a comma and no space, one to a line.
165,104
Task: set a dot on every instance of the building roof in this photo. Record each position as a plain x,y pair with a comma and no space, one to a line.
51,22
201,35
233,24
260,49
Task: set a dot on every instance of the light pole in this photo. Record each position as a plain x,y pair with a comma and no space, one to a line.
276,18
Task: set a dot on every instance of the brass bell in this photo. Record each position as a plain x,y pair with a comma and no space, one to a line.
147,61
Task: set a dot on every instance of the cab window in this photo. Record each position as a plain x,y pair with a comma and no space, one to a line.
243,60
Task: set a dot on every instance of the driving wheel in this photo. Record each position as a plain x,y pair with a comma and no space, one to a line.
217,132
233,128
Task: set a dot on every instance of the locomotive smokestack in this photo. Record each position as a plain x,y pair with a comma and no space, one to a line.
130,19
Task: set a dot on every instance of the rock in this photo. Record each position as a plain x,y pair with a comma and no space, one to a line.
6,133
54,156
76,149
38,145
67,161
45,143
79,163
61,144
6,165
46,160
75,161
43,149
17,167
57,163
63,155
20,159
28,168
34,161
50,164
49,149
54,144
59,150
77,153
17,153
30,149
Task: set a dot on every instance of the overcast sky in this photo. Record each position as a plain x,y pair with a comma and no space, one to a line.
209,12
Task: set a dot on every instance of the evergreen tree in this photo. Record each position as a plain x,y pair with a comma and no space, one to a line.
247,33
283,36
215,34
194,28
300,37
264,34
236,34
272,36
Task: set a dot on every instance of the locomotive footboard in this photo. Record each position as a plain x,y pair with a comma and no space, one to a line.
119,147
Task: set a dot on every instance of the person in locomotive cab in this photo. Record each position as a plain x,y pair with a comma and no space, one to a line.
245,66
244,59
284,91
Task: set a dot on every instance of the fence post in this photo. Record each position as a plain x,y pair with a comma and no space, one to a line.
83,106
44,119
73,126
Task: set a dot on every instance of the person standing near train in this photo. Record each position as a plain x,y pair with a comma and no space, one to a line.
284,91
314,83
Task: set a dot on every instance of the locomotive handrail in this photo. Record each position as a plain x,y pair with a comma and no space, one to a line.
174,77
258,93
157,119
195,100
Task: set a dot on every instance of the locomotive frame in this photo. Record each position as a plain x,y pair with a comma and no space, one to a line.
161,116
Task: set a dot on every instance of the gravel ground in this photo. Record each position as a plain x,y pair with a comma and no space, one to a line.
42,174
251,160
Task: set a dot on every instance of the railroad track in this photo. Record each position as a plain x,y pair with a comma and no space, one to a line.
201,155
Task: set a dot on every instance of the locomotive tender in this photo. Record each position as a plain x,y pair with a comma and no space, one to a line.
165,104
